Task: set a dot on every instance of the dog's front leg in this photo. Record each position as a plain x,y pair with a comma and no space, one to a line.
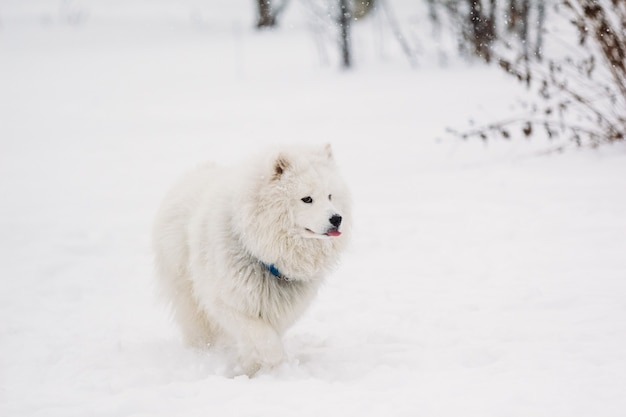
260,347
258,344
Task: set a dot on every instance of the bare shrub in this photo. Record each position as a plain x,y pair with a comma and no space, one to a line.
582,92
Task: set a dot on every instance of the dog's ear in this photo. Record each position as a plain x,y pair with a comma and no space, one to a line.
280,166
328,151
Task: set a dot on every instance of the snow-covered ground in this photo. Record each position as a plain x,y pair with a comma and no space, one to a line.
482,280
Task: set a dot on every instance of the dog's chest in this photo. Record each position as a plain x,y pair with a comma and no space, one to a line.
276,300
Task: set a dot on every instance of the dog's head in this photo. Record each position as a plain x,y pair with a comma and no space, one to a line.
313,193
295,208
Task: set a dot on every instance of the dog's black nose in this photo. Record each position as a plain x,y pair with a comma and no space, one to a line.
335,220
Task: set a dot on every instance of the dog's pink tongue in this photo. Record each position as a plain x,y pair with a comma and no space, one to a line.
334,233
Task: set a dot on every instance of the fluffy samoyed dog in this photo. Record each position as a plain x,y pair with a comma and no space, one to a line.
241,251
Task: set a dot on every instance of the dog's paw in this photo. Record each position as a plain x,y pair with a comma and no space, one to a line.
264,355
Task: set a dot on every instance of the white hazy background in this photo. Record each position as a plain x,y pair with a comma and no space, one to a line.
483,280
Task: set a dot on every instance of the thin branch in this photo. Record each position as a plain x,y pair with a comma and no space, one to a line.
395,28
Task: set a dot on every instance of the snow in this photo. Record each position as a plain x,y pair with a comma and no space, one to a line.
483,280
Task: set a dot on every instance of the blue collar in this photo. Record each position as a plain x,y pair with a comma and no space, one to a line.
274,271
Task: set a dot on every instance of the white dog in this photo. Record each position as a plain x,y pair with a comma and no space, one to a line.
241,251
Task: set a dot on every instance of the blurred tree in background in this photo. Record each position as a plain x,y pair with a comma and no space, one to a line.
268,11
482,24
266,16
341,12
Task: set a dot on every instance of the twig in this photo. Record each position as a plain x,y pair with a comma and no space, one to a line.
395,28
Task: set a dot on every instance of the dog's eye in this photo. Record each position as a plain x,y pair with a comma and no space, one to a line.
307,200
330,197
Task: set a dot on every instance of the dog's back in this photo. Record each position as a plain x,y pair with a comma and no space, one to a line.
170,242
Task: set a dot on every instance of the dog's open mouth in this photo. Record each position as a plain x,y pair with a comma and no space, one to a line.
334,232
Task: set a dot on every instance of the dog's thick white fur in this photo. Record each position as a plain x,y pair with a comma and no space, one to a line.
241,251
